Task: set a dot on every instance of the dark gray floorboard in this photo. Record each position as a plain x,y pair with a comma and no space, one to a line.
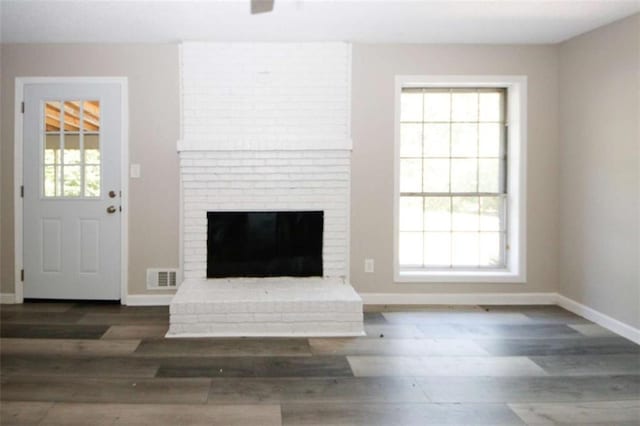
224,347
31,306
25,317
397,414
49,331
542,314
116,308
23,412
498,331
339,389
580,346
108,390
529,389
456,317
65,365
69,414
388,346
589,365
87,347
316,366
124,319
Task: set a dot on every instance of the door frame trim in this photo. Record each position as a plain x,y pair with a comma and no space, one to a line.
20,82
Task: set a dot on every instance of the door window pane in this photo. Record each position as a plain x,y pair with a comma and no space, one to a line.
92,149
92,181
72,149
52,181
72,116
71,152
52,149
91,116
52,116
71,185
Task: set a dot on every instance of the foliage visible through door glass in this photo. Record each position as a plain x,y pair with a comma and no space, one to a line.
71,152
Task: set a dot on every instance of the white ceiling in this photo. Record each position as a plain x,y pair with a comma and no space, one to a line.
427,21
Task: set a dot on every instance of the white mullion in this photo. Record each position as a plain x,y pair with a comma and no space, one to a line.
450,196
62,137
81,142
478,174
422,91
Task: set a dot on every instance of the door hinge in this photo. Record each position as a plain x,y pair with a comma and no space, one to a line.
21,191
22,107
22,275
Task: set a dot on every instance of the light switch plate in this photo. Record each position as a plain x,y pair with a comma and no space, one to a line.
134,171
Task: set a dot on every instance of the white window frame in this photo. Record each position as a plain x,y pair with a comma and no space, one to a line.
515,269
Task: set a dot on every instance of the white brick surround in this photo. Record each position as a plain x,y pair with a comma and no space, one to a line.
258,96
265,127
265,180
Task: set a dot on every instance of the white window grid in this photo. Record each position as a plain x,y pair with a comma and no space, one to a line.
501,194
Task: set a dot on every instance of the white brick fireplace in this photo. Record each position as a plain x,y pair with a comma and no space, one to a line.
265,127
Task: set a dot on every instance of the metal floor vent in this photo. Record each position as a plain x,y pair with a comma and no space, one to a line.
160,279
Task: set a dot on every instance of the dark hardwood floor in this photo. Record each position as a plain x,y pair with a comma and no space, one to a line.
105,364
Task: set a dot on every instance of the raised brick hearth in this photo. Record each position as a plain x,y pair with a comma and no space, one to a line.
266,307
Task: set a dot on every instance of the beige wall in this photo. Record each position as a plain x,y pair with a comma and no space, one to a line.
374,69
154,129
152,71
600,174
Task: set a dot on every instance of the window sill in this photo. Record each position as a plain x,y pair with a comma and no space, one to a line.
474,276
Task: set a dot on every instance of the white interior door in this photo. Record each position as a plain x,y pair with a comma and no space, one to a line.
71,166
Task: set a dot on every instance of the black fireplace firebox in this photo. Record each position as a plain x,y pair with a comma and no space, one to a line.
264,244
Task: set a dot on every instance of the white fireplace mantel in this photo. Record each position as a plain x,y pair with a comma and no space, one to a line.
282,143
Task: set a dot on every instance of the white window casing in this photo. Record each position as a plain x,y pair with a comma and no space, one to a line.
514,270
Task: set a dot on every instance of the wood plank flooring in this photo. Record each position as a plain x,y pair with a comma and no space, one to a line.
65,363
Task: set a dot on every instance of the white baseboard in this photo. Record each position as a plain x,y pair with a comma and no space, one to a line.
149,299
458,298
7,298
599,318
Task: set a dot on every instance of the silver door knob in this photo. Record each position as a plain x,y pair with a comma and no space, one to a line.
111,209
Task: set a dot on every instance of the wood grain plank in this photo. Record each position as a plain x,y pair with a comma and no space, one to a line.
106,390
168,414
67,347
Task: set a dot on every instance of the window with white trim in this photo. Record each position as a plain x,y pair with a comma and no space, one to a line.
454,205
